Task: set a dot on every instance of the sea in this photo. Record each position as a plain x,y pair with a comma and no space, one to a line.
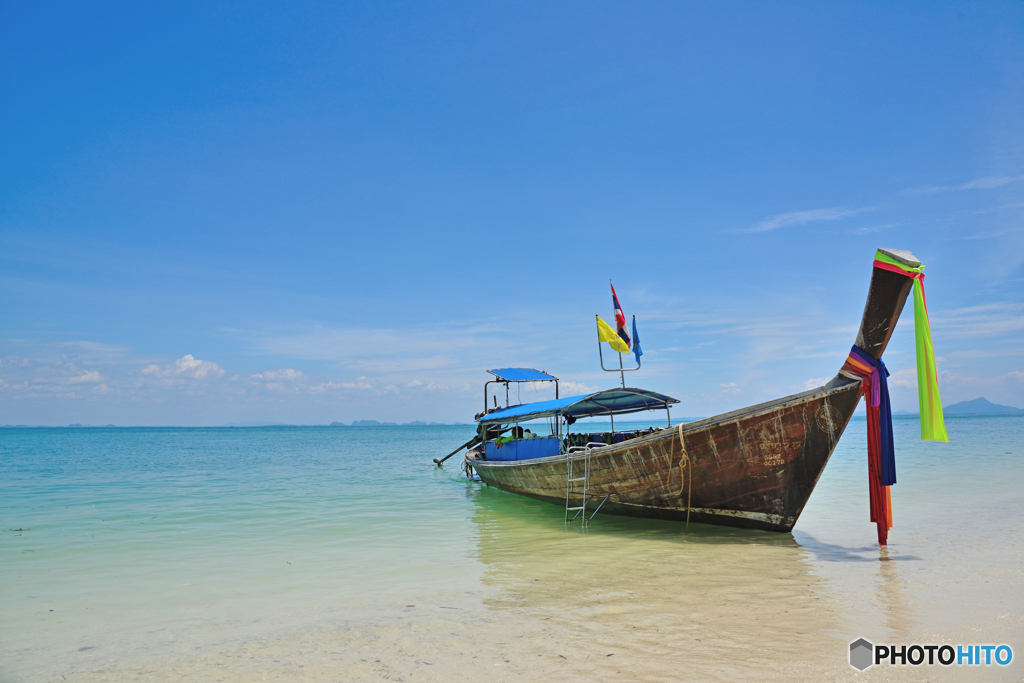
345,554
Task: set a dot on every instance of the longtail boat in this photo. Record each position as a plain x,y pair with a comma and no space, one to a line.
754,468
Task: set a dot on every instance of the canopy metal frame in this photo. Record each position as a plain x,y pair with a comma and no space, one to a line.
587,405
507,382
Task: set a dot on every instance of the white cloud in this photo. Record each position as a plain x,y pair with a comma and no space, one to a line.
815,382
792,218
284,381
419,385
727,391
990,320
286,375
198,369
186,366
869,229
906,378
986,183
89,376
324,387
575,388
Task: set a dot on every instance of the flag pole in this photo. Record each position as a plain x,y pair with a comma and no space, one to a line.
622,373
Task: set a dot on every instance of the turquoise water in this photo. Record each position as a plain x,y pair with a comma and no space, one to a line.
120,547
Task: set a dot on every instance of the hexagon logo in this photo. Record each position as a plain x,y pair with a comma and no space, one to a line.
861,654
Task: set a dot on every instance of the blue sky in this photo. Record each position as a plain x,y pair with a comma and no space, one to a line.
350,211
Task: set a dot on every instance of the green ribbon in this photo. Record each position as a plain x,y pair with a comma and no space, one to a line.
933,423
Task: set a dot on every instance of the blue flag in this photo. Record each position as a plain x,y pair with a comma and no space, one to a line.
636,343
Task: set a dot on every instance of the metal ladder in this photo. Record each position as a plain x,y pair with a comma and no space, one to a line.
576,483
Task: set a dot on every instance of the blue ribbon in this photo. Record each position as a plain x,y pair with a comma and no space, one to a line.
888,455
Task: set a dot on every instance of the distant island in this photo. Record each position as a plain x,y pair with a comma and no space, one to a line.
73,425
979,406
255,424
374,423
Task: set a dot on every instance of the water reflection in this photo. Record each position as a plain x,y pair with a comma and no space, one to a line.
872,599
645,591
899,617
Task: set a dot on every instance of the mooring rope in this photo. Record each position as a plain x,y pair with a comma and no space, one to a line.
685,458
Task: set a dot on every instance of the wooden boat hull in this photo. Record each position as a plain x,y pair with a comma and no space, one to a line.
753,468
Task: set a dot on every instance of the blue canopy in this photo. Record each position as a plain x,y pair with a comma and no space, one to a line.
608,402
522,375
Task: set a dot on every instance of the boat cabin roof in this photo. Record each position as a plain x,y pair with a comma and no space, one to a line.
607,402
522,375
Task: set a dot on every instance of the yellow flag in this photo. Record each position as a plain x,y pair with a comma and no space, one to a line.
606,333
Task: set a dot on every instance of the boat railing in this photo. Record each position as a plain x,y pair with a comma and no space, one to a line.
589,446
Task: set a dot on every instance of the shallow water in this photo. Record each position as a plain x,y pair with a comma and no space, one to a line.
342,553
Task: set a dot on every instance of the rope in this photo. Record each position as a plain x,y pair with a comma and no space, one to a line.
685,457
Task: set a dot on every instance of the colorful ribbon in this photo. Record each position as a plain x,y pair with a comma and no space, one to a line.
933,425
874,384
881,450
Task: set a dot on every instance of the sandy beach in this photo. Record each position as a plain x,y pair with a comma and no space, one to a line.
245,580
